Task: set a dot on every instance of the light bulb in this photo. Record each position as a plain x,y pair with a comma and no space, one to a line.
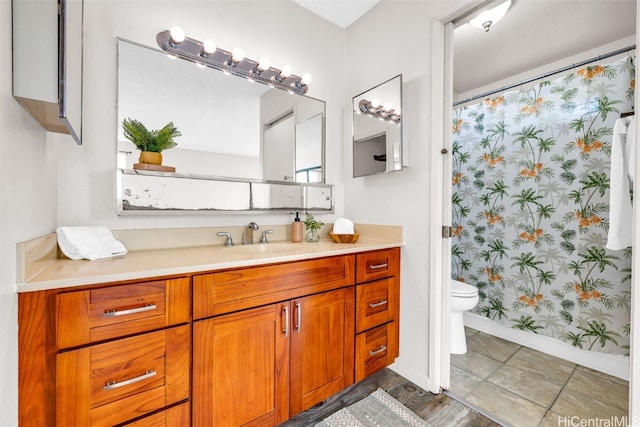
286,71
177,35
388,106
264,64
237,55
375,103
306,79
208,46
397,111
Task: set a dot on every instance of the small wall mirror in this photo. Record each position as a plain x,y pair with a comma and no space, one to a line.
377,129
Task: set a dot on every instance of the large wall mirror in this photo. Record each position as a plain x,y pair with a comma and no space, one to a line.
377,129
233,130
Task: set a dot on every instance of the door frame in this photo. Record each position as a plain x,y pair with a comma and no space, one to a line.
440,266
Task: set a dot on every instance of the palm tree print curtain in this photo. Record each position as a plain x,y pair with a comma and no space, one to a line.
531,174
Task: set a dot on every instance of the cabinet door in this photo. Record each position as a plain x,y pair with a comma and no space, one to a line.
240,368
322,347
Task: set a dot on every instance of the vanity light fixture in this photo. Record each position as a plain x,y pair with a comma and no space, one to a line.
207,54
383,112
490,17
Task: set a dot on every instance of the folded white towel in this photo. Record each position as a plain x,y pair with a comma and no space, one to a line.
90,242
343,226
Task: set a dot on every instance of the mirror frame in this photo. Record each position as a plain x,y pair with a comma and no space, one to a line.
251,193
398,162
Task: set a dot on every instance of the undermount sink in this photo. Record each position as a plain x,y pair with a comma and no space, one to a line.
264,248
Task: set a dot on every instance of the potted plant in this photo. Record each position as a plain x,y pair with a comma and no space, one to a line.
151,143
312,226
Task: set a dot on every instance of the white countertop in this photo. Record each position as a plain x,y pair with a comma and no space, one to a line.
175,261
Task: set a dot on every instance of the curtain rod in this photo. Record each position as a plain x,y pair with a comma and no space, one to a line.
545,75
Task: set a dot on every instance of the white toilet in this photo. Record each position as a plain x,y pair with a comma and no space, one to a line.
462,297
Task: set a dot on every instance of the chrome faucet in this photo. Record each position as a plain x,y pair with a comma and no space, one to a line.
247,235
263,239
229,241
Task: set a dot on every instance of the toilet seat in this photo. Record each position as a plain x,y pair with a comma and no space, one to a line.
462,290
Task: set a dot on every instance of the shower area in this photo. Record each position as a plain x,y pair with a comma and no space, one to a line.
532,196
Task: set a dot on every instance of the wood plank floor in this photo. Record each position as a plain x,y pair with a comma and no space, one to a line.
437,409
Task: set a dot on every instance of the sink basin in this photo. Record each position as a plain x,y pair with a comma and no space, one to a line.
264,249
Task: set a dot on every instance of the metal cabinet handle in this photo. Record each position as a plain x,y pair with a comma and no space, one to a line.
285,328
378,266
112,384
298,317
378,351
114,313
378,304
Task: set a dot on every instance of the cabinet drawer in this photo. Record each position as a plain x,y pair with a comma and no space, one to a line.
376,303
377,265
375,349
95,315
175,416
233,290
110,383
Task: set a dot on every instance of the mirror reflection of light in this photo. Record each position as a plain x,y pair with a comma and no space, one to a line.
199,65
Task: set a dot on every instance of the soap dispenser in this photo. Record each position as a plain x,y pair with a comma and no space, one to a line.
296,229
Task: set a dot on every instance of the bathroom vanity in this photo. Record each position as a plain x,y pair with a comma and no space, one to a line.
253,338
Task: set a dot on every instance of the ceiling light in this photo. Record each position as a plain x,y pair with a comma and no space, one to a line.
490,17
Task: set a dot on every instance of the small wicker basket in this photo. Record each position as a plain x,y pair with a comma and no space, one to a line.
345,238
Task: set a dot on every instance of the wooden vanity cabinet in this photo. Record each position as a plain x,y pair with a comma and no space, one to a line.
105,356
248,346
377,310
262,365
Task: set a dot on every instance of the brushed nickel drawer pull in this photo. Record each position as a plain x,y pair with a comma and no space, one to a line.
298,316
285,329
114,313
378,304
378,266
112,384
378,351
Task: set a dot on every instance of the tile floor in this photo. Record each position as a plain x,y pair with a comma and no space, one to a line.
522,387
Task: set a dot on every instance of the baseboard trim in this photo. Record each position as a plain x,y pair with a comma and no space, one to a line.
611,364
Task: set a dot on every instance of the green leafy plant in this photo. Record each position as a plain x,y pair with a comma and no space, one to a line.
150,140
312,224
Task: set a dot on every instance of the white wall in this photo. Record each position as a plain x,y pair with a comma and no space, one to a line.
376,51
279,30
27,209
46,180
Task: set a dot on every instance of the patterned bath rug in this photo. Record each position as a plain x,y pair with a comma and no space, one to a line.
378,409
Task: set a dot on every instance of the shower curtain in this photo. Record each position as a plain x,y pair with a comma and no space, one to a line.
531,170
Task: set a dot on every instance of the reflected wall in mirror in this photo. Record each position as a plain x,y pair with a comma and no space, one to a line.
377,129
231,127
